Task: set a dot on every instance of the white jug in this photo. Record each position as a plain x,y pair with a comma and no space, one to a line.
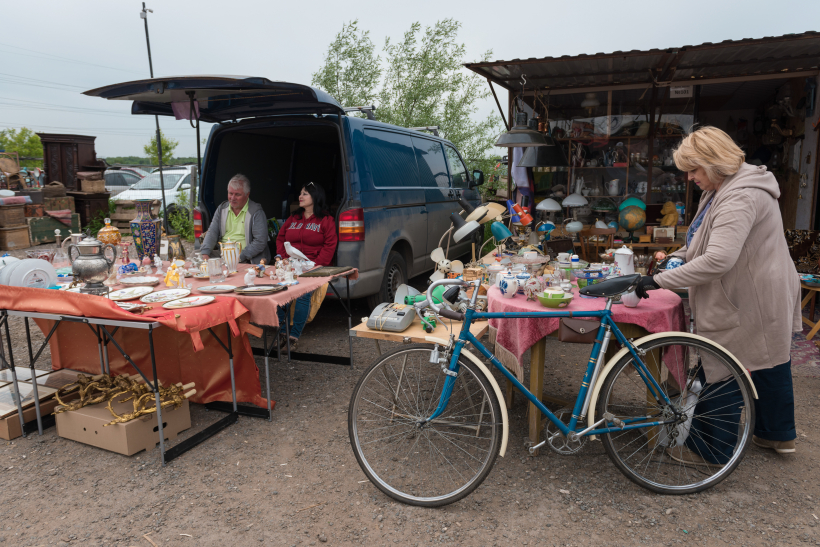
625,260
613,187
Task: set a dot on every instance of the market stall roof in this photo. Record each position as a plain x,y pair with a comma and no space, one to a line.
731,60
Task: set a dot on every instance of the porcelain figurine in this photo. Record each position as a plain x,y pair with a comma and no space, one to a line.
260,268
250,276
172,277
158,264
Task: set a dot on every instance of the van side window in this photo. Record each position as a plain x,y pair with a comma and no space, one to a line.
458,173
391,159
432,165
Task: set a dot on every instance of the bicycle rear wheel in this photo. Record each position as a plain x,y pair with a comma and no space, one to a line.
712,412
425,464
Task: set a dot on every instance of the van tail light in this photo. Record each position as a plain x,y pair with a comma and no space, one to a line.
197,223
351,225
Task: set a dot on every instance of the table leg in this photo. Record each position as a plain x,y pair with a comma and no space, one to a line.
537,355
267,371
10,364
230,362
157,400
510,395
813,331
813,302
34,378
349,321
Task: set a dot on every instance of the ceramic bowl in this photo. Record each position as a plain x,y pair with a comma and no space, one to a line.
555,302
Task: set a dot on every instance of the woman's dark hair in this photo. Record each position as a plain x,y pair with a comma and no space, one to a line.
317,194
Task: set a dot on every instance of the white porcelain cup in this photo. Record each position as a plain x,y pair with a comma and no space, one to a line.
554,293
630,299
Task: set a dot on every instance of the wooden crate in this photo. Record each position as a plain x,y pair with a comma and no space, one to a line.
59,204
92,186
89,204
126,212
35,210
14,238
12,215
41,229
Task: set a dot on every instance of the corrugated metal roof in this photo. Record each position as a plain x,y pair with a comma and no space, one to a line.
786,55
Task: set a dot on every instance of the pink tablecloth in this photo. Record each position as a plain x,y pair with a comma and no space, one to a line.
262,308
661,312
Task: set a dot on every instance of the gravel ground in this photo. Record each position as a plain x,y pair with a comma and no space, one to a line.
295,481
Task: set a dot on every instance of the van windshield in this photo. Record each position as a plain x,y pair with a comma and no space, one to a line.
151,182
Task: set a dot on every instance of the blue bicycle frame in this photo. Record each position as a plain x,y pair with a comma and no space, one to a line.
607,328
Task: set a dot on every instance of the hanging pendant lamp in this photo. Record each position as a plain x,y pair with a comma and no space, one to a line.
521,135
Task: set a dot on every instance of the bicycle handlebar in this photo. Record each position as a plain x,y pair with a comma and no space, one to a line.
441,310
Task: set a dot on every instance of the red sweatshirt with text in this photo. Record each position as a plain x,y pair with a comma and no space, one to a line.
315,237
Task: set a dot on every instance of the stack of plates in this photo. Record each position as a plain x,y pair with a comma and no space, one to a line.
139,280
31,272
216,289
259,290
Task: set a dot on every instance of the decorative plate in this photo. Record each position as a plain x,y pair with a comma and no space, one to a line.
140,280
258,289
165,296
190,302
129,294
201,276
132,306
215,289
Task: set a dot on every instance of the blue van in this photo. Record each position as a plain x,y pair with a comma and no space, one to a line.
391,189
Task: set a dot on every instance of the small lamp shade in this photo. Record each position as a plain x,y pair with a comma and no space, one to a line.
574,200
549,205
500,232
546,227
463,228
520,135
630,201
494,210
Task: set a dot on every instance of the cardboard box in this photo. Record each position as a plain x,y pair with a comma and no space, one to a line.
10,425
87,425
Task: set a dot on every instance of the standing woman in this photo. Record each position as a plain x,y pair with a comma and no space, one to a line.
312,230
743,288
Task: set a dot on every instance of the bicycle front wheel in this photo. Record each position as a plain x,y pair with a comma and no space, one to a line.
708,423
416,462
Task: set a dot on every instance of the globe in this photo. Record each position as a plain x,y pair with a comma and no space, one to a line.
632,218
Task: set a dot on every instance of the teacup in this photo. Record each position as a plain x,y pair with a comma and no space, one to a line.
554,293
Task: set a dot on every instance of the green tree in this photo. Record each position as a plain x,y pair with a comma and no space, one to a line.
25,142
351,71
424,83
168,147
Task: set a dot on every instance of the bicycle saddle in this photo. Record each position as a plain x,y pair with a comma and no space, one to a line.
612,287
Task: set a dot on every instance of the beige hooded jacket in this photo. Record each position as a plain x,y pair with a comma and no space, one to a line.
743,287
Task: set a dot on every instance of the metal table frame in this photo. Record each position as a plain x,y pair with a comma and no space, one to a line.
314,357
104,336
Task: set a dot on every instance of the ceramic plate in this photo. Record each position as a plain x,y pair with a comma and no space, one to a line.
165,296
190,302
258,289
132,306
129,294
201,276
214,289
140,280
34,273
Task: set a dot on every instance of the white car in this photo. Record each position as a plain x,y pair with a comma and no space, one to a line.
176,179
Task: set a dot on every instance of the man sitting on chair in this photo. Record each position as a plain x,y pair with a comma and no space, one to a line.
239,219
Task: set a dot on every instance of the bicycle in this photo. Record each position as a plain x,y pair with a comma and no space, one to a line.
426,423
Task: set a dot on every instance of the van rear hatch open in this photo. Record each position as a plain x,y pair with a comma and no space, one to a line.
220,98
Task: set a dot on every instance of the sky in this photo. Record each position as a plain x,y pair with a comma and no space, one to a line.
70,47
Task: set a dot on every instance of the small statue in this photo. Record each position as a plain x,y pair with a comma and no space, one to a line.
260,268
533,287
172,277
158,264
297,267
250,276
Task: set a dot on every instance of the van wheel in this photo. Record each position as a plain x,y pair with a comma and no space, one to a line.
395,274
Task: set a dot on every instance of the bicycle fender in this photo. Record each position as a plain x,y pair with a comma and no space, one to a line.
617,357
490,378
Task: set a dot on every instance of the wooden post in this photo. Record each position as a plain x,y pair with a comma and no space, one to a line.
537,355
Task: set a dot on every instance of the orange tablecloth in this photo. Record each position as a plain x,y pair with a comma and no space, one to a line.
183,352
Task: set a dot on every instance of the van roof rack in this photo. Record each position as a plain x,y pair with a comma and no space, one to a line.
366,110
434,129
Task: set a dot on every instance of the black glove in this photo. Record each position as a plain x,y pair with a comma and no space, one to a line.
645,283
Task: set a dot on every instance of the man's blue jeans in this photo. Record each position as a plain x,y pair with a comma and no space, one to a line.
300,316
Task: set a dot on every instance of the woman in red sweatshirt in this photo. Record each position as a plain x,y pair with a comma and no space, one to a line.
312,230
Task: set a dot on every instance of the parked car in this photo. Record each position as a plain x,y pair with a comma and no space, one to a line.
176,180
119,180
391,189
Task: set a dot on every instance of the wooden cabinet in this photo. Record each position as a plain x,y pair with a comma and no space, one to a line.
65,155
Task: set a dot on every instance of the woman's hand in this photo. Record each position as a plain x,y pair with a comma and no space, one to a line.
645,283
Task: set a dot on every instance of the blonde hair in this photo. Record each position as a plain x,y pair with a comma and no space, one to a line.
712,149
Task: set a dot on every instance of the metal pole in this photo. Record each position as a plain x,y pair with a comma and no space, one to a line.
144,16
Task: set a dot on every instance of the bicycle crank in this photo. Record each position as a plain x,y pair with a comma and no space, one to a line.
557,441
